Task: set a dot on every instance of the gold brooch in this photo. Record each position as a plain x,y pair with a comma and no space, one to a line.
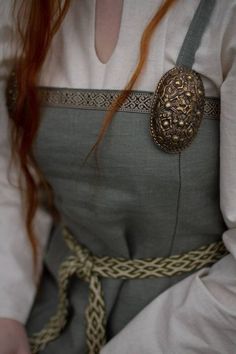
177,109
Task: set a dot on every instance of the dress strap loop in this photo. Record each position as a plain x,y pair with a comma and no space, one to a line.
195,32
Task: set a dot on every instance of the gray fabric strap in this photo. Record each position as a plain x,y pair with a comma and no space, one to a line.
195,32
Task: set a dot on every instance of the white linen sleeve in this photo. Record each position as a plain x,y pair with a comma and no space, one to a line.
198,314
17,278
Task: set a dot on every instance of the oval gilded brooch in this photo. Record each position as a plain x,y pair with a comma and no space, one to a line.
177,109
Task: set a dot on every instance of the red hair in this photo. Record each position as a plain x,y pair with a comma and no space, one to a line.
37,23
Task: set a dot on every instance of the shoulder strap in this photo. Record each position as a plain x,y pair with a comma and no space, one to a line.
195,32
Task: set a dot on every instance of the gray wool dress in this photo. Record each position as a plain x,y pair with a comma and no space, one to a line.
142,202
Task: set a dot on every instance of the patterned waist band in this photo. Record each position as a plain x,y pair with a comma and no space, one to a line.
137,101
90,268
99,99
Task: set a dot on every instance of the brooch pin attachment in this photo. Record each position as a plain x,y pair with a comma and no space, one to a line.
177,109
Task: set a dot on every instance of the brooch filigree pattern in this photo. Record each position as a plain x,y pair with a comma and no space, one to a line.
177,109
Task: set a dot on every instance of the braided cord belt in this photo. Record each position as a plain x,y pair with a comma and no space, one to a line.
90,268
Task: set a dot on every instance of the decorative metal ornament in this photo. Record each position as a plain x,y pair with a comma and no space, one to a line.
11,93
177,109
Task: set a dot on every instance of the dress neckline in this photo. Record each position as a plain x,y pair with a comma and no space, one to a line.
116,52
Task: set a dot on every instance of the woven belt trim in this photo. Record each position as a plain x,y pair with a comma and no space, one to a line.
90,268
137,101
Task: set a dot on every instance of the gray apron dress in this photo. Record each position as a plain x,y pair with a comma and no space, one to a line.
142,202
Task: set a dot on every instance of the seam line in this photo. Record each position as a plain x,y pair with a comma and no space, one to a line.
177,209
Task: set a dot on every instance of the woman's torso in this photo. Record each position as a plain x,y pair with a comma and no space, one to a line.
141,202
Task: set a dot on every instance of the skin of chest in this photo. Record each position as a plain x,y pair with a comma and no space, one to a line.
108,16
